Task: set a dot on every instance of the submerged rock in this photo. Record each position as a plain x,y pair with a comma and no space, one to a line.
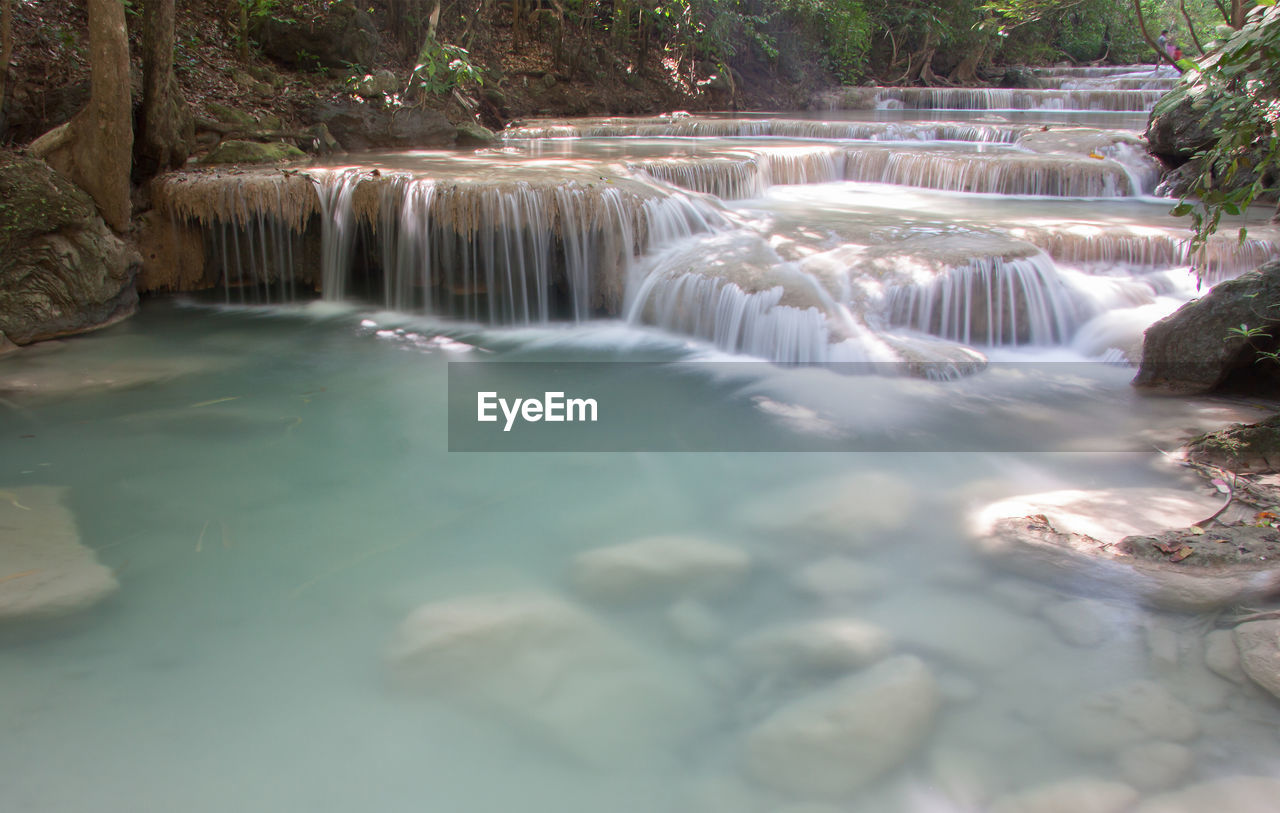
852,510
551,667
1259,645
62,271
1110,720
45,572
1071,796
1201,347
837,740
839,578
658,565
1222,656
1156,765
1079,622
828,644
1236,794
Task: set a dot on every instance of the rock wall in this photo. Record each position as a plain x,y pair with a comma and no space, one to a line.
62,271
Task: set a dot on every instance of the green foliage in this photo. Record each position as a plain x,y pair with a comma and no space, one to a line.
1239,83
442,67
843,27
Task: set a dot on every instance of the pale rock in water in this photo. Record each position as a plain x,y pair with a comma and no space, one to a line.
827,644
1112,719
834,741
1259,645
1085,795
1236,794
1080,622
1222,656
838,578
551,667
656,566
1156,766
850,511
45,572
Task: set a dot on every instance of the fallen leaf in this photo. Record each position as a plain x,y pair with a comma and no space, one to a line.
1095,155
1182,553
1196,529
1167,547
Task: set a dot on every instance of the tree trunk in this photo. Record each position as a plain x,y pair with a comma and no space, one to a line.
95,148
164,131
1237,14
1146,35
1191,29
966,73
244,31
6,52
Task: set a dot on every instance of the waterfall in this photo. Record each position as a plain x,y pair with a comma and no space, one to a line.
732,178
337,235
991,173
912,98
776,128
733,290
991,301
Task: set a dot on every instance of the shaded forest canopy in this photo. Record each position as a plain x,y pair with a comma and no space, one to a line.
523,57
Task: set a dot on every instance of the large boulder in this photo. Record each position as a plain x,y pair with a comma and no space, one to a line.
366,126
62,271
1179,125
1259,645
837,740
1202,347
342,36
45,572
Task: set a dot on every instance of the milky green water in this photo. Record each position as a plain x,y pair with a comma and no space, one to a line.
268,546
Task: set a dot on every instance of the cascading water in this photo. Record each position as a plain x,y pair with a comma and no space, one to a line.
570,234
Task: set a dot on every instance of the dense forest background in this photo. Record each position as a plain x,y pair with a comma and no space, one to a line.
500,60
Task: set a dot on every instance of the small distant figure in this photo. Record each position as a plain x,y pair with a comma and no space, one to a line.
1177,52
1162,41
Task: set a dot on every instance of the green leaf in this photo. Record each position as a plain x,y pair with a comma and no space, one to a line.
1182,209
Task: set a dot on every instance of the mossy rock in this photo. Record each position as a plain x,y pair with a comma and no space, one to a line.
62,271
473,135
1240,448
269,122
229,115
252,152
